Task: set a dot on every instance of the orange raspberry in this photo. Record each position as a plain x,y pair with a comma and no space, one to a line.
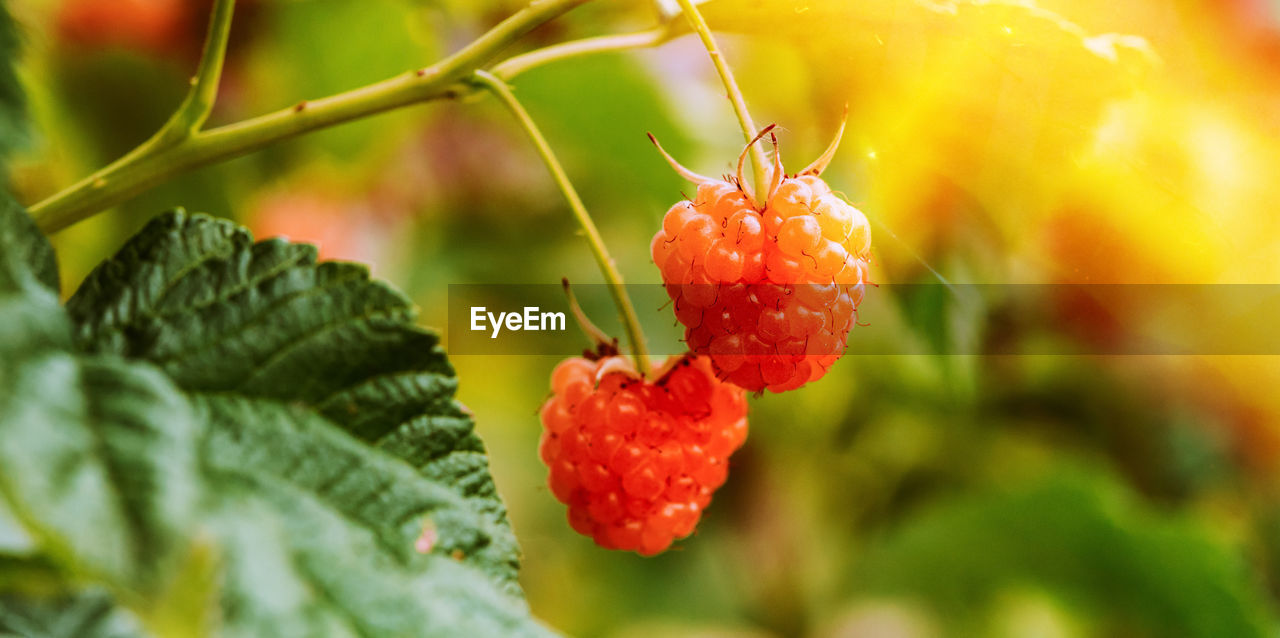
768,289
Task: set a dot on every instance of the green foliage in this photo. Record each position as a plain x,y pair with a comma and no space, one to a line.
13,103
210,395
100,462
91,614
221,314
27,257
926,309
1079,536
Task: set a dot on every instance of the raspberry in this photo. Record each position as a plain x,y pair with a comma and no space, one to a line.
768,292
637,460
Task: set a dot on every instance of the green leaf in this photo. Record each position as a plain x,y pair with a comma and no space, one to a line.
31,321
343,487
26,258
220,314
224,412
298,567
30,317
13,103
99,463
1080,537
89,614
14,539
28,574
322,534
287,449
444,598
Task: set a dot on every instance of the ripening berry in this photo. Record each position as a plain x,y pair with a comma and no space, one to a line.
156,27
767,290
636,460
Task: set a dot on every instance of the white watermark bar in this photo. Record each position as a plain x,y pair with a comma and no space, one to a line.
529,318
909,319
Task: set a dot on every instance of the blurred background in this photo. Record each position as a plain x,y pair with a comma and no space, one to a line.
989,141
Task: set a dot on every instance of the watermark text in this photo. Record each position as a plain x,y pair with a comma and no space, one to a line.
531,319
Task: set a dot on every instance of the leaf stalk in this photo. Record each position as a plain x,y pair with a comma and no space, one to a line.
608,268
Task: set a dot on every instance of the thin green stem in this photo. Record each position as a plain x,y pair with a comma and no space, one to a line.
167,154
513,66
630,321
759,163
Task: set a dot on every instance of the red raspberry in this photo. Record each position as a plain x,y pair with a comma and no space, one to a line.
637,460
769,292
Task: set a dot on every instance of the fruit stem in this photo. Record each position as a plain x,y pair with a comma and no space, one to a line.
743,157
759,163
608,268
183,146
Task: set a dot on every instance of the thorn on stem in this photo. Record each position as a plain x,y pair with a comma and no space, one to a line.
298,108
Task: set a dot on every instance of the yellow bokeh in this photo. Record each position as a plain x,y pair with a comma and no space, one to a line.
1053,142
